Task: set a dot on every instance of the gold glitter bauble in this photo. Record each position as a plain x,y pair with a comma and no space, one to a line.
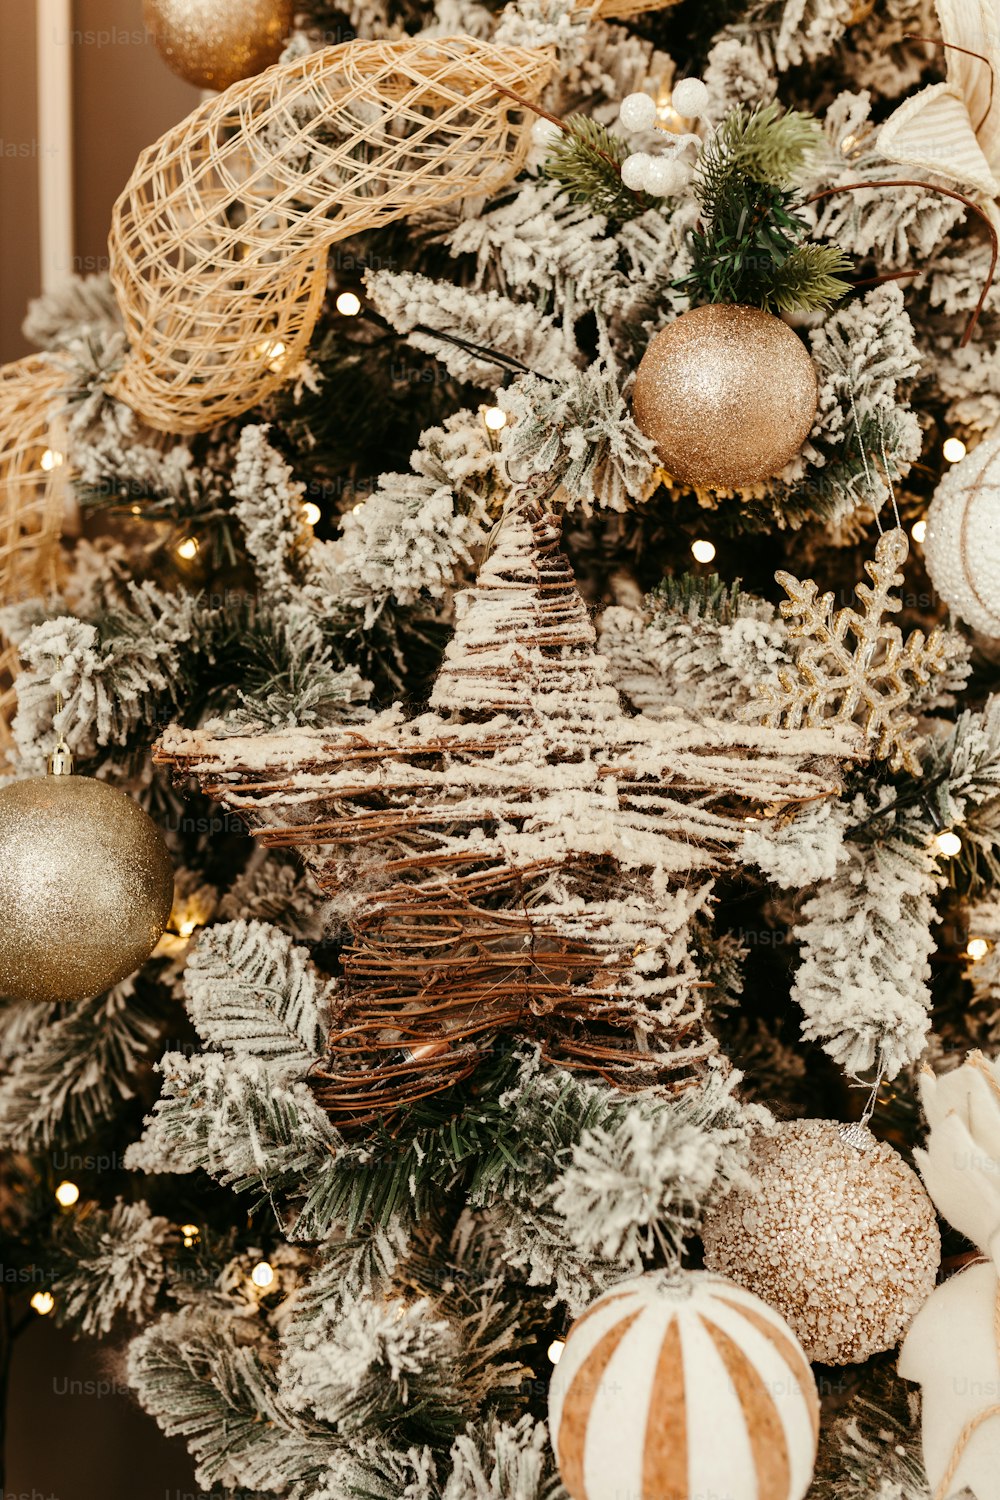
727,394
841,1238
85,887
213,43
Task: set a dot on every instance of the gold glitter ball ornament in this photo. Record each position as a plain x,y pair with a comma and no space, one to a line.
213,43
85,887
841,1238
728,394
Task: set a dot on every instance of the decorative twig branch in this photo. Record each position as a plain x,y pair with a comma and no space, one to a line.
855,187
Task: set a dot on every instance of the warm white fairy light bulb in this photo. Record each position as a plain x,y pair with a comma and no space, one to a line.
348,304
977,948
948,843
954,450
262,1274
918,531
51,459
703,550
67,1193
188,548
555,1350
311,512
43,1303
190,1234
495,418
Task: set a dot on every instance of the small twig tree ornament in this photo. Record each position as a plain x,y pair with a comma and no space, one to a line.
30,501
525,856
218,244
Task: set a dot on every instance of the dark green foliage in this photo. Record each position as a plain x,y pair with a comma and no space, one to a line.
698,598
748,247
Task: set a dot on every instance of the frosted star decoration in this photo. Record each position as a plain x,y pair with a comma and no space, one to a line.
852,667
572,841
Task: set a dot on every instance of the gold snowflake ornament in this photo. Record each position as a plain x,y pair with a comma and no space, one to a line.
852,667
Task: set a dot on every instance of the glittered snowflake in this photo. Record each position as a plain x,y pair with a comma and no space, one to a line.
852,666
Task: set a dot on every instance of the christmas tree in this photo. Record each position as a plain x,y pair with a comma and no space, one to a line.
519,520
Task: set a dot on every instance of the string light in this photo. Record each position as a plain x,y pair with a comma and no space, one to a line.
977,949
67,1194
262,1274
948,843
188,548
311,512
349,304
918,531
274,352
954,450
51,459
495,417
703,550
43,1303
555,1350
136,510
190,1234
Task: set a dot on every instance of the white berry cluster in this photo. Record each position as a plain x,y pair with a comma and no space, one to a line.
664,174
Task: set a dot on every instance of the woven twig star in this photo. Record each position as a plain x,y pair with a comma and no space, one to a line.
853,667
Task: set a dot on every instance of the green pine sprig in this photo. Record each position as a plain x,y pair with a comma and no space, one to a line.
586,160
748,246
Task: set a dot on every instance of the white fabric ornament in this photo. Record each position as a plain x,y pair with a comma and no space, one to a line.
634,169
665,176
638,112
962,545
840,1238
953,1347
690,98
683,1385
953,129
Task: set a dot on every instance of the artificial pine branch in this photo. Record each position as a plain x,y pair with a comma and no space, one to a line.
747,248
586,160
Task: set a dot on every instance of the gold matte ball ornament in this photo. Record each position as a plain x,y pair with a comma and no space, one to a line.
728,395
213,43
85,887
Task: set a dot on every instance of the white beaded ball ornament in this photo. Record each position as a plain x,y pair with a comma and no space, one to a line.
962,544
665,176
637,112
544,133
841,1238
634,169
690,98
684,1386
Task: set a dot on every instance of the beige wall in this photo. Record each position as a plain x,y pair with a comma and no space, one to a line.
123,98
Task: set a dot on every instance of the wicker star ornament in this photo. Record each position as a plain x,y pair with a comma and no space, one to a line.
522,857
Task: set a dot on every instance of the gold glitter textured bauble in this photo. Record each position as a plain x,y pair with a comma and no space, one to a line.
213,43
85,887
727,394
841,1239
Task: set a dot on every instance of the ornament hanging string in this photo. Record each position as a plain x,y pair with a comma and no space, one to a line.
855,187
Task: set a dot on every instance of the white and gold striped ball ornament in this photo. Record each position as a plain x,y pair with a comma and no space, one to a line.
679,1386
962,545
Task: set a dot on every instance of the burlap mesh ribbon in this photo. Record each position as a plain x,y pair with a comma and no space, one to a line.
30,502
218,244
